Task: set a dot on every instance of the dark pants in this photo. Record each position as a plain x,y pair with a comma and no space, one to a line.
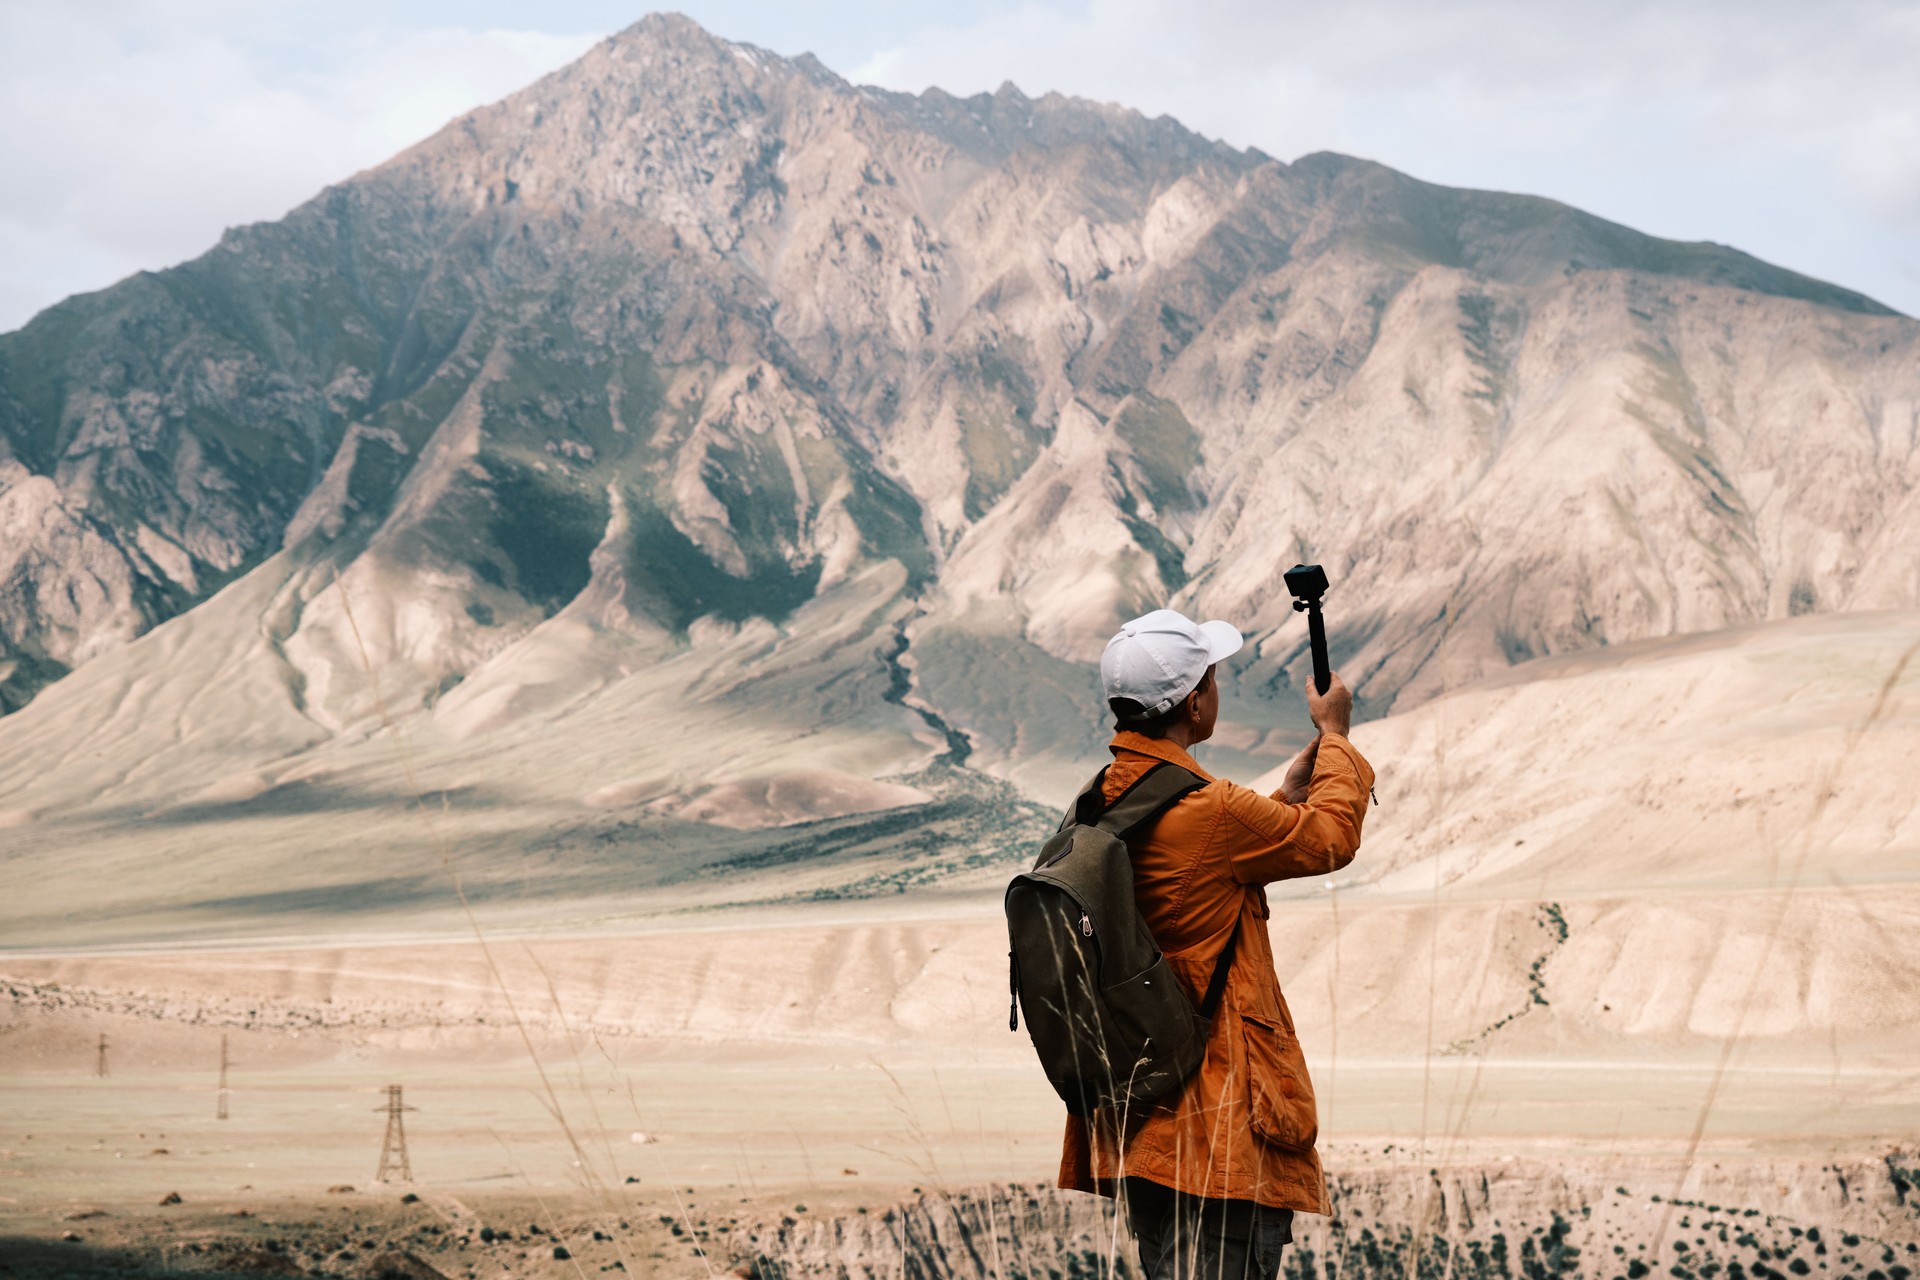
1187,1237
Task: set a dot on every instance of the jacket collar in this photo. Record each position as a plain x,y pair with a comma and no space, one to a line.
1139,744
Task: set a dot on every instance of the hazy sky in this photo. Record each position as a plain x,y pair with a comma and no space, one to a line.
133,131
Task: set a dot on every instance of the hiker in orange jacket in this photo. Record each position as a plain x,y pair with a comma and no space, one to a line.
1211,1175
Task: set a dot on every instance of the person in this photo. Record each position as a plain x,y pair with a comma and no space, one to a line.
1211,1175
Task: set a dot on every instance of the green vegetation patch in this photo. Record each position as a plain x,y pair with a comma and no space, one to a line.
23,673
1697,462
997,434
274,456
547,525
679,582
1401,247
974,822
996,456
416,416
1171,560
35,378
638,391
554,393
751,479
888,518
1165,447
429,334
1477,320
1666,379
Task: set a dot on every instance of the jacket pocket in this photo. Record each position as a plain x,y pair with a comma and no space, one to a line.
1280,1095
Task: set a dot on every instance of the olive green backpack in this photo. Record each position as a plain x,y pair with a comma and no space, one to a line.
1111,1023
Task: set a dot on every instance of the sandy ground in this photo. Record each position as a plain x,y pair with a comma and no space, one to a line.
849,1057
817,1055
736,1133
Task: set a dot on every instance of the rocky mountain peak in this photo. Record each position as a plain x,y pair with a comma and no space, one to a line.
643,116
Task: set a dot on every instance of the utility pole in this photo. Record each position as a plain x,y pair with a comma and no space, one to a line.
222,1113
393,1153
100,1058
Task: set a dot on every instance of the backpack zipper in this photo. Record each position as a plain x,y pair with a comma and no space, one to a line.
1086,925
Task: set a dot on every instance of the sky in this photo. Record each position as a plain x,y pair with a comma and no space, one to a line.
132,132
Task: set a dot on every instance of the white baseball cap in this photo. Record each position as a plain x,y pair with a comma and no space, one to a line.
1158,658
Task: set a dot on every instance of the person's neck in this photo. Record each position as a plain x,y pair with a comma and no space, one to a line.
1180,735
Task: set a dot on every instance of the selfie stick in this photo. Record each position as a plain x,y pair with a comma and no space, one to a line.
1307,583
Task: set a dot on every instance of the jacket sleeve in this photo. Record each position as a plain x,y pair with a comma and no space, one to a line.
1266,839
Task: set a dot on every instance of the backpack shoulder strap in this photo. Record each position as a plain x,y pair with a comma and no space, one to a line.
1156,791
1218,986
1086,806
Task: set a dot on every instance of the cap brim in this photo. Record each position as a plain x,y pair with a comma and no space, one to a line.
1221,638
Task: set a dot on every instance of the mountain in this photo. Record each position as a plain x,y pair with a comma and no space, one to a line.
697,381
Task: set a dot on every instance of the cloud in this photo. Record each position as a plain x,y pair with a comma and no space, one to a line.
134,133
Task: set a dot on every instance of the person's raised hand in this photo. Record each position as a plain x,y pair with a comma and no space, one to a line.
1293,787
1332,711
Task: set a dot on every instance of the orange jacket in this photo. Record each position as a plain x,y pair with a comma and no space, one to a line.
1243,1127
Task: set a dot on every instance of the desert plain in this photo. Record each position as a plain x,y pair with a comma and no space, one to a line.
1662,965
